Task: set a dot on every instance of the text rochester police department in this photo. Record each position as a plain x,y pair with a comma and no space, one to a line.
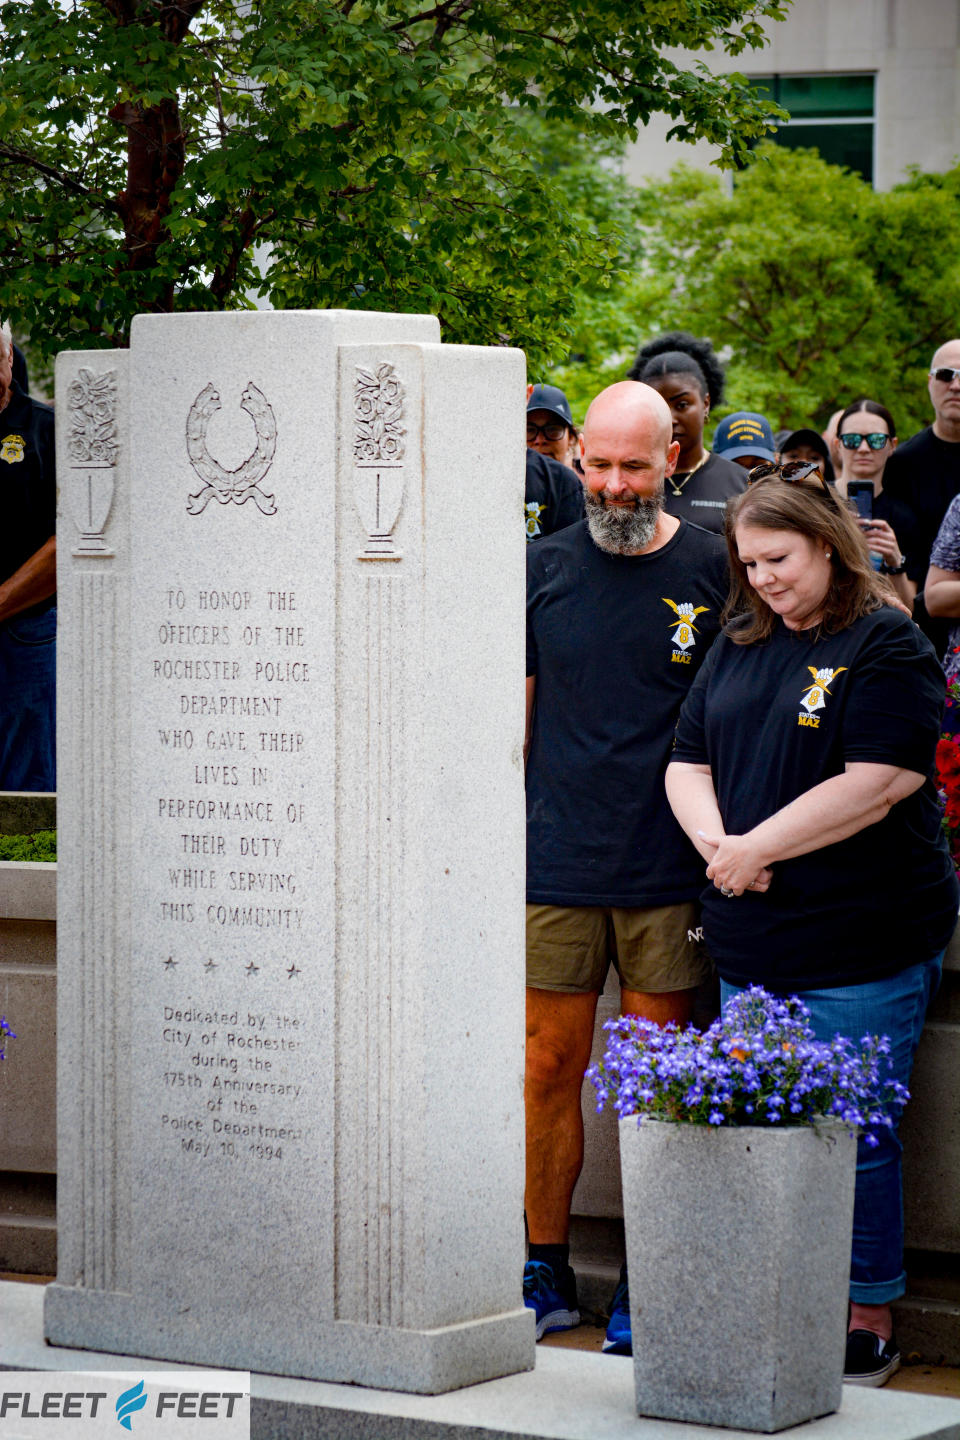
84,1404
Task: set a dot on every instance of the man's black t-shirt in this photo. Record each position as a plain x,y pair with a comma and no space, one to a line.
614,642
703,497
775,719
27,480
553,498
924,474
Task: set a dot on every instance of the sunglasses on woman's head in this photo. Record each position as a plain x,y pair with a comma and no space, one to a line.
853,441
794,472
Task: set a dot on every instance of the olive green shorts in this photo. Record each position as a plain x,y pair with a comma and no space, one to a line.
656,950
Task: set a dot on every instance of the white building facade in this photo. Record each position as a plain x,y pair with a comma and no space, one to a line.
872,84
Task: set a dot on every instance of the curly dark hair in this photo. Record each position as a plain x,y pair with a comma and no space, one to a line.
680,353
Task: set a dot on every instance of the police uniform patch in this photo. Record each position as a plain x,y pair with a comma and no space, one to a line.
11,449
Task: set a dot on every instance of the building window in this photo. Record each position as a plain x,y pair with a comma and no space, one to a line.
830,113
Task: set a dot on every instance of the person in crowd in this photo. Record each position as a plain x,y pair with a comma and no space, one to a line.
829,437
20,369
550,427
28,567
802,773
942,589
553,496
621,610
745,438
925,474
867,438
689,376
804,445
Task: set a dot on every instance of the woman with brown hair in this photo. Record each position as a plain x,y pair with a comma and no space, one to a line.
802,774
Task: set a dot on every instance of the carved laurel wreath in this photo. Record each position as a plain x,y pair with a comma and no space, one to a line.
225,485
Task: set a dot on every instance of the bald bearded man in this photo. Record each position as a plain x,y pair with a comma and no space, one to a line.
621,610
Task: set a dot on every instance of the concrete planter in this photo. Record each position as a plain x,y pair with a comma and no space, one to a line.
738,1243
28,1129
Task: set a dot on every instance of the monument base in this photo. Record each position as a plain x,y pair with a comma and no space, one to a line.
423,1362
569,1396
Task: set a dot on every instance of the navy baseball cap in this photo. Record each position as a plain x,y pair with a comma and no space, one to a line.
744,433
548,397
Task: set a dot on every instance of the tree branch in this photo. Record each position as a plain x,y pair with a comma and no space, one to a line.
50,172
175,19
445,14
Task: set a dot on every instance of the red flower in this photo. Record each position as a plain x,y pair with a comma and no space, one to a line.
948,759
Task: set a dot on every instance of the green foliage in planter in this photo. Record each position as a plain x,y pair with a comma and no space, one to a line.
40,846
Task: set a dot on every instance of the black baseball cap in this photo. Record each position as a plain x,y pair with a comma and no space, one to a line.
813,438
548,397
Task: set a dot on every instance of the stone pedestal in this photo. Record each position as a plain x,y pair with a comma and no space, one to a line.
291,850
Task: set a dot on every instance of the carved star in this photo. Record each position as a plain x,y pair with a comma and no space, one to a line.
210,965
253,969
293,970
169,963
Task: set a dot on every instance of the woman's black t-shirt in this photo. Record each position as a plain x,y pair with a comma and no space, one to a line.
775,719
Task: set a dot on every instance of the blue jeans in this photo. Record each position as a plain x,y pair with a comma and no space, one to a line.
28,672
897,1007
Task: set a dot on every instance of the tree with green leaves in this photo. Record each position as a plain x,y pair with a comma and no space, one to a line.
181,154
820,288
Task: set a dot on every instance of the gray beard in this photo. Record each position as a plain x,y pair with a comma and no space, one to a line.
618,531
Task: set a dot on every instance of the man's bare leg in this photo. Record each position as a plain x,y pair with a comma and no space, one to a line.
559,1041
662,1008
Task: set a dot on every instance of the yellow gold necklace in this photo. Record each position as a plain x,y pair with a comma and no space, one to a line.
678,489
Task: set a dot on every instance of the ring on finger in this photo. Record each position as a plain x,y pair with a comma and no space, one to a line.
729,893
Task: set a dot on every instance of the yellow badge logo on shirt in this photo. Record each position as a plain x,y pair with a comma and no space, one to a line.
533,513
11,449
814,694
684,628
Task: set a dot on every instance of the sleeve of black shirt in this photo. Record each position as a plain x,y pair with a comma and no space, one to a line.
533,580
568,493
894,708
690,739
44,440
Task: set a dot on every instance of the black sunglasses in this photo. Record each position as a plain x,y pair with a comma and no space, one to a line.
853,441
945,374
794,472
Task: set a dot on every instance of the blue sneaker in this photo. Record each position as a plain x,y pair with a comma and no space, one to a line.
553,1302
619,1339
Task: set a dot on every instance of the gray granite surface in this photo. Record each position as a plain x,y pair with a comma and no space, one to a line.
738,1245
291,873
569,1396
